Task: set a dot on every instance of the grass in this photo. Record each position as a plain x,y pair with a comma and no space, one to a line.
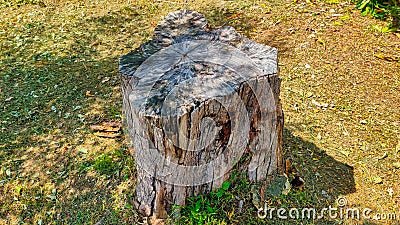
54,170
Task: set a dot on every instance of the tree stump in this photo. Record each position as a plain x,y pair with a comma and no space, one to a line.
197,102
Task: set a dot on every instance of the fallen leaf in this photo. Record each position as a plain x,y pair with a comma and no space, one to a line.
40,63
337,23
322,105
287,187
76,108
83,150
383,156
345,17
95,43
388,58
230,215
8,172
396,165
390,190
8,99
235,16
378,180
52,197
105,80
344,152
88,94
319,40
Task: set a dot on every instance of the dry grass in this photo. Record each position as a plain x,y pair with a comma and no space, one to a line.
55,171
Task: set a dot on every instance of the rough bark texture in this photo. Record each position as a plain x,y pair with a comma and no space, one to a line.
197,101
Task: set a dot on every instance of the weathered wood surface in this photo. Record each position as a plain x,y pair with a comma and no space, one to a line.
197,100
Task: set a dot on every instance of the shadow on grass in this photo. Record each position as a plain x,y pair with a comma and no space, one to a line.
326,179
321,171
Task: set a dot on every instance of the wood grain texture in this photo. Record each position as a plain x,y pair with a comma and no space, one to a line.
197,101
